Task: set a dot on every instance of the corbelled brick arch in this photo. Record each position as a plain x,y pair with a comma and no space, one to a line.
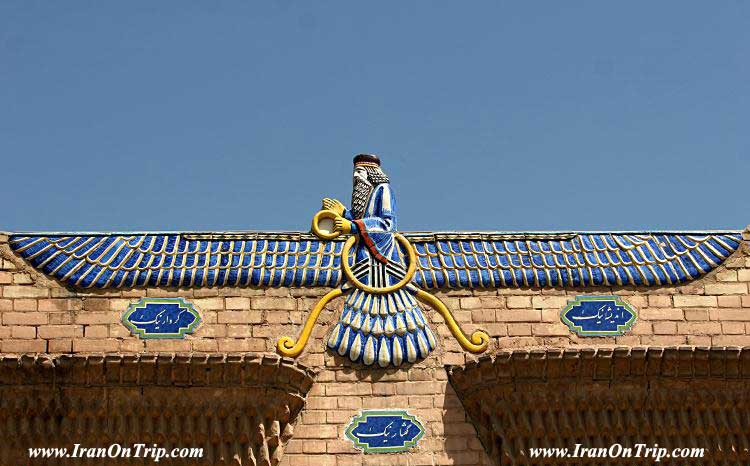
240,409
680,397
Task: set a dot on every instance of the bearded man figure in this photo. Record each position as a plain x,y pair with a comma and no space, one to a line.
389,328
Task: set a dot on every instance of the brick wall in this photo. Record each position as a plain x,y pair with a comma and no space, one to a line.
38,315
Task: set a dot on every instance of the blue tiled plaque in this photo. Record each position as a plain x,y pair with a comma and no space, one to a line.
161,318
598,316
384,431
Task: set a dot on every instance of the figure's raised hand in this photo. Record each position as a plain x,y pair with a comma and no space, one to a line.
343,225
334,205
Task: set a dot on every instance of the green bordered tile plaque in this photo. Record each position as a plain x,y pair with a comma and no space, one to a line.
160,318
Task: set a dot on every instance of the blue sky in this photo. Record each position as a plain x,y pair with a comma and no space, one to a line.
487,115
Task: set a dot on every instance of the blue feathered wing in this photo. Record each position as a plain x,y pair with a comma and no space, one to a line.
183,259
499,260
444,260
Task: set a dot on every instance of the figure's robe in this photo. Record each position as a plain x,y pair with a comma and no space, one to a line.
388,328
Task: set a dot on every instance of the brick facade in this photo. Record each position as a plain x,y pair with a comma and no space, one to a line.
57,401
39,316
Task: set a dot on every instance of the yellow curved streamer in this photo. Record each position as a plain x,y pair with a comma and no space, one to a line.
479,340
287,346
386,289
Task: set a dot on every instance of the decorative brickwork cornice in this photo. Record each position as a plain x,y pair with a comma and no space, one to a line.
240,409
592,364
158,369
677,397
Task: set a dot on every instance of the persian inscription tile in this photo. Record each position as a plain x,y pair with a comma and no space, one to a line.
384,431
598,316
161,318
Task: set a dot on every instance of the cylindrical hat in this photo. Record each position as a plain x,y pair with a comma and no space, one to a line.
367,159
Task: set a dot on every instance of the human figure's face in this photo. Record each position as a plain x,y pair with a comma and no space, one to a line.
361,190
360,173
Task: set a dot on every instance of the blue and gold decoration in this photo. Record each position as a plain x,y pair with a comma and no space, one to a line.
161,318
458,260
598,316
384,431
384,276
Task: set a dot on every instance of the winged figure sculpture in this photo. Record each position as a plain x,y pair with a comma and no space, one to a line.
385,276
